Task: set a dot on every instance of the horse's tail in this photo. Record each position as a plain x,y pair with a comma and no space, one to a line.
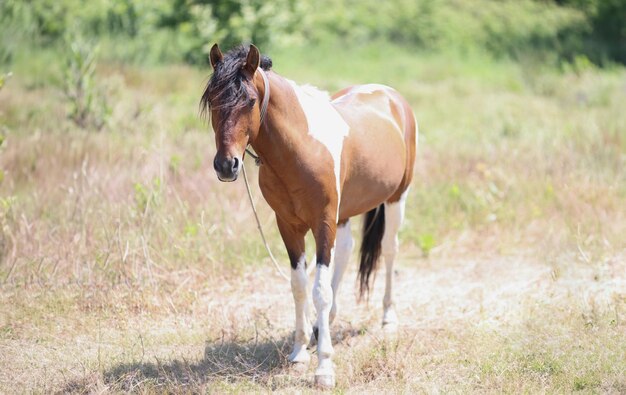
373,230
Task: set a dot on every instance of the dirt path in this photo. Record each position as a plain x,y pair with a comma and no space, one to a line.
430,293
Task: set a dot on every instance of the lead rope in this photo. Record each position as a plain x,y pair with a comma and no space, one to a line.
264,104
258,223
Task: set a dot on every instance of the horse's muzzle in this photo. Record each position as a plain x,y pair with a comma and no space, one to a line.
227,169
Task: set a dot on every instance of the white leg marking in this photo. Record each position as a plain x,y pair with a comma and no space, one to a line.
394,215
323,299
303,327
343,249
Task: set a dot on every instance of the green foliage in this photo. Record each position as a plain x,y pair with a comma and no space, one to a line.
2,139
16,25
174,164
3,80
604,36
184,30
426,243
585,382
147,195
191,230
579,65
229,22
6,207
7,241
88,102
609,27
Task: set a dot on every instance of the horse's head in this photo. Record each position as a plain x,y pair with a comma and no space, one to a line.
233,100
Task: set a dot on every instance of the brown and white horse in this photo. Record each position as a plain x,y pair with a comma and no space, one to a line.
324,160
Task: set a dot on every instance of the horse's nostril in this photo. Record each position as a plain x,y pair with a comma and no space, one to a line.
235,164
216,164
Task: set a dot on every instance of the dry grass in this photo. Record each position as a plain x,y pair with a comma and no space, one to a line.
126,266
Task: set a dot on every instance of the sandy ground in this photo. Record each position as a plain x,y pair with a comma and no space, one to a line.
242,330
428,293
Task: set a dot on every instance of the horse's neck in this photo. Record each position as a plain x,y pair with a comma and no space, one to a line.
280,140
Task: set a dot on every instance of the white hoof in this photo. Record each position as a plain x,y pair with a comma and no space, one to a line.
390,328
325,374
299,355
390,318
325,381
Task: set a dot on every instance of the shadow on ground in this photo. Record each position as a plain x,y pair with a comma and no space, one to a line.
257,362
223,361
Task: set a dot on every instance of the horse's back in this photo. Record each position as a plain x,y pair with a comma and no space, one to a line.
379,153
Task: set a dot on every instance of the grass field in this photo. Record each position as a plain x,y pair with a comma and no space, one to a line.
126,266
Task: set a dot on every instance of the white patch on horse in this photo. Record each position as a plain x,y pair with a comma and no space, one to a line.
371,88
343,245
383,112
323,299
394,216
325,125
303,327
367,89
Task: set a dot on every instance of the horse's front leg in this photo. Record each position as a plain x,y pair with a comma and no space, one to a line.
293,237
324,235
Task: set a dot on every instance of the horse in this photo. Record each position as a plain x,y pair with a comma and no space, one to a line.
323,161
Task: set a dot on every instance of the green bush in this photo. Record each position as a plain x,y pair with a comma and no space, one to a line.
184,30
89,108
16,24
3,80
605,31
609,27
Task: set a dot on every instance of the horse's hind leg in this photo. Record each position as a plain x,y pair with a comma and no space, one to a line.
343,249
394,215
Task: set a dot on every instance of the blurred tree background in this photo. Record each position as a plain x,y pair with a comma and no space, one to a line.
163,31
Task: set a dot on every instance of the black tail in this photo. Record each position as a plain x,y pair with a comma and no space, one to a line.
373,230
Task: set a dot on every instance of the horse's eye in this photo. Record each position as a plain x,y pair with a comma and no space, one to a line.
251,102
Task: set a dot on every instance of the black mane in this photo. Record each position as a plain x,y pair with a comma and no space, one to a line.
226,90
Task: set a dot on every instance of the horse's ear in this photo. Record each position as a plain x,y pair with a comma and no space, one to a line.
215,56
252,61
